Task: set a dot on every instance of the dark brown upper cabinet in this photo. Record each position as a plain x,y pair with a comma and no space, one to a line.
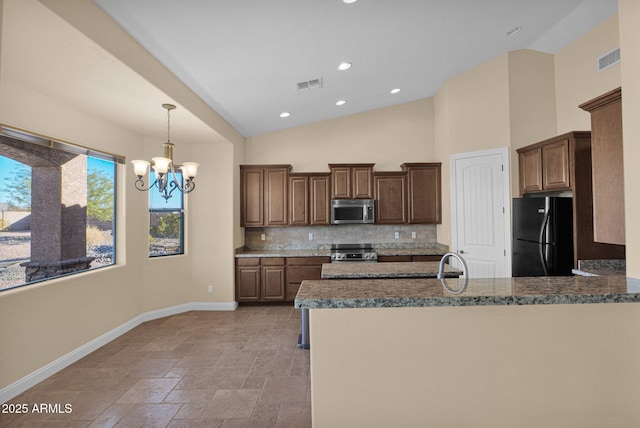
545,166
351,181
309,202
391,197
607,166
424,198
264,195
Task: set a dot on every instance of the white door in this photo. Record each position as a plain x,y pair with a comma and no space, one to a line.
481,212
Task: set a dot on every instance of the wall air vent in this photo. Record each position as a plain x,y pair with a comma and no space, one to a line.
309,85
609,59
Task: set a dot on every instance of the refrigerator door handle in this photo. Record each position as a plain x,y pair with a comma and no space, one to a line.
542,250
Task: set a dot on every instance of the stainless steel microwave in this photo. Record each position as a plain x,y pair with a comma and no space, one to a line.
352,211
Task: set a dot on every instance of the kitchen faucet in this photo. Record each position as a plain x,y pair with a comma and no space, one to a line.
465,269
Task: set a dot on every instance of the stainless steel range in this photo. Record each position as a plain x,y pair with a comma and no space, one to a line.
353,253
339,253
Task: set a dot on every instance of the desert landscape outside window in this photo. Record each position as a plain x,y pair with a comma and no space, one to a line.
57,209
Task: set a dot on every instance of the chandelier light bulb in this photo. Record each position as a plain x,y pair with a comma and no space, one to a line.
140,167
190,169
161,165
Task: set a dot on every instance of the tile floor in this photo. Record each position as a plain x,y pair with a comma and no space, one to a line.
197,369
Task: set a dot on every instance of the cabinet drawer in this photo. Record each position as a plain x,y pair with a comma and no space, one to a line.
248,261
272,261
308,260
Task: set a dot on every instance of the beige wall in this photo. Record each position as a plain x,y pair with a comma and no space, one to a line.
532,106
212,237
577,78
43,322
526,366
629,11
506,102
472,113
387,137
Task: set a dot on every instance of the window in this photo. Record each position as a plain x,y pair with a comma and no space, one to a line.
166,221
57,208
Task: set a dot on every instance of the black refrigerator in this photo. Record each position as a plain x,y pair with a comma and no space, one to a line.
542,236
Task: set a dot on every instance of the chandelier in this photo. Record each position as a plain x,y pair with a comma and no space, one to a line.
163,166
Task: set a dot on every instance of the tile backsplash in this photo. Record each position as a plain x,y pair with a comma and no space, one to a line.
315,237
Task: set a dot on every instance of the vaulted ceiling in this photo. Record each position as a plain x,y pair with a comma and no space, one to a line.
249,59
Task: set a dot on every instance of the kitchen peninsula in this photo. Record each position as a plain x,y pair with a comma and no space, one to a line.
525,352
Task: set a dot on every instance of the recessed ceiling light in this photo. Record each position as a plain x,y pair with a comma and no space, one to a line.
285,114
349,1
344,66
341,103
514,31
394,91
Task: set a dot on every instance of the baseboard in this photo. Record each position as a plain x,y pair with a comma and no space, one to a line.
21,385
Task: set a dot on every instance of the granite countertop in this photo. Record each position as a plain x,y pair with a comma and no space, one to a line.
390,250
325,251
349,270
244,252
601,267
412,292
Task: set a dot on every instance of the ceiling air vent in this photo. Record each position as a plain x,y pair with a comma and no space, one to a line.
609,59
310,85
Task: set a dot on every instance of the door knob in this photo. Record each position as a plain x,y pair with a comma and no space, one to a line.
461,251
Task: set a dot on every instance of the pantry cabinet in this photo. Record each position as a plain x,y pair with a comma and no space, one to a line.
607,166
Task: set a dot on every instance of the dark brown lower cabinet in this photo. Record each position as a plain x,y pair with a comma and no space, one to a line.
300,269
260,279
248,279
274,279
272,272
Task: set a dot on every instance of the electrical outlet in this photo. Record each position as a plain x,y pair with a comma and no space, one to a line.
263,236
210,289
310,236
413,235
397,235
